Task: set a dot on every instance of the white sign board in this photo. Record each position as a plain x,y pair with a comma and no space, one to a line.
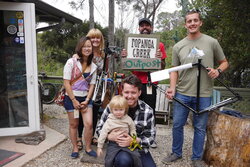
142,48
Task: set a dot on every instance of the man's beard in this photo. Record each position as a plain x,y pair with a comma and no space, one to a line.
145,31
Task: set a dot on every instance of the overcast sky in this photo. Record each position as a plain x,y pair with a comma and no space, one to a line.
101,12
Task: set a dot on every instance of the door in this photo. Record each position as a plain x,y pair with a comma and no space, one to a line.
19,104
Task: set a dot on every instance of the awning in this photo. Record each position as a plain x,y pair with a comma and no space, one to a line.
49,14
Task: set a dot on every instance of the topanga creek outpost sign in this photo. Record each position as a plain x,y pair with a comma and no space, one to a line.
141,50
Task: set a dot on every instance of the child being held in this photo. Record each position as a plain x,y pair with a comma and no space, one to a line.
117,119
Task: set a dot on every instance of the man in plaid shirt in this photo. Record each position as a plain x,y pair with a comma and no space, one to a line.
143,116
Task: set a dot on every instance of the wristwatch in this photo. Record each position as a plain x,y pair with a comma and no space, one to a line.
219,70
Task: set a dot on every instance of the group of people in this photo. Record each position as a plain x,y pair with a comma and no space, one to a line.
128,122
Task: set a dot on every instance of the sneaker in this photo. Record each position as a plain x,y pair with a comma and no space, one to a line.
171,158
198,163
153,145
92,153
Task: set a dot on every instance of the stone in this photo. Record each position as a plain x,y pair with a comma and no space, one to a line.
33,138
228,141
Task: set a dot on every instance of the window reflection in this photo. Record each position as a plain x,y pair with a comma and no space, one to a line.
13,85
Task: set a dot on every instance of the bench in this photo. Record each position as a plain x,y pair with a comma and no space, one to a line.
163,105
216,97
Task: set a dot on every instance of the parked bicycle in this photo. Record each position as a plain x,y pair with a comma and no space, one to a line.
48,91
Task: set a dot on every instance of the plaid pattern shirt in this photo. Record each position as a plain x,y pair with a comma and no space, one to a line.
144,121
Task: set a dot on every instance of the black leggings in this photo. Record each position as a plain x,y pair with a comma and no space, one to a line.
95,118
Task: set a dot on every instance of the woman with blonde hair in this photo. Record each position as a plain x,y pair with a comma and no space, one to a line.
97,40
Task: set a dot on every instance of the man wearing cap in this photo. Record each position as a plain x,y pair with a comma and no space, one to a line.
145,27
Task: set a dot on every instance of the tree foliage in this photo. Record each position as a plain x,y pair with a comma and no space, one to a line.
57,45
120,36
146,8
229,22
226,20
77,5
167,21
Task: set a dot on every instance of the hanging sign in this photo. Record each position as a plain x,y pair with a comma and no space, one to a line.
141,51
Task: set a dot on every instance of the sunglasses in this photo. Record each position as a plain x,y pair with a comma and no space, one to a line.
193,11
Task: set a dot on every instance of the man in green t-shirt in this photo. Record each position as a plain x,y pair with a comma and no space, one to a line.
183,85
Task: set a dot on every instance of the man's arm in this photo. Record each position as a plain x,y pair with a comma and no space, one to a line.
163,55
214,73
148,133
170,92
145,128
223,65
132,129
102,120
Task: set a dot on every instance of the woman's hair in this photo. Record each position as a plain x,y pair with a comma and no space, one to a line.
79,47
98,34
118,102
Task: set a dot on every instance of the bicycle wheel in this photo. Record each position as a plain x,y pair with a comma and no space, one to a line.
48,93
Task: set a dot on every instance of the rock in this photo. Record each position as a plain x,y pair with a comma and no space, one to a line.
228,141
33,138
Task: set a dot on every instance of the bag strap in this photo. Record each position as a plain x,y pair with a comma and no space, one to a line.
74,80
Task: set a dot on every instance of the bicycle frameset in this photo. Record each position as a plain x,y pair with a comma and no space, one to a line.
103,77
227,101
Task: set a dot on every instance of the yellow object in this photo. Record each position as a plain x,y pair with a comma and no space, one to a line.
133,145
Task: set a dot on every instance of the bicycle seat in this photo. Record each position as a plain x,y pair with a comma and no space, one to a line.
43,74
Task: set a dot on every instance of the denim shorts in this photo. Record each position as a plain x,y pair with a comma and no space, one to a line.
68,105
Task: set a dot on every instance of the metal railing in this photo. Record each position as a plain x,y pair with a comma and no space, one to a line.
242,105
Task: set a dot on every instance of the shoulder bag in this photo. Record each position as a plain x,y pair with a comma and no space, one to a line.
61,93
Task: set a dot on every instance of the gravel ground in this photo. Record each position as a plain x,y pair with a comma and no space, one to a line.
60,154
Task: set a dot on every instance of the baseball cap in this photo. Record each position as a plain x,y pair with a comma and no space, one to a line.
145,20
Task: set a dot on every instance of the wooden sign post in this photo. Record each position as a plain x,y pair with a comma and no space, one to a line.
141,50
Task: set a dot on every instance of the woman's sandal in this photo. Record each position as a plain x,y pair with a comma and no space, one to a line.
79,144
94,141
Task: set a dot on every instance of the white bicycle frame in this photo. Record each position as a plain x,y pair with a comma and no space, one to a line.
98,82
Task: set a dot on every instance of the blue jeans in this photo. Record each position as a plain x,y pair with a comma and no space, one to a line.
124,159
180,115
